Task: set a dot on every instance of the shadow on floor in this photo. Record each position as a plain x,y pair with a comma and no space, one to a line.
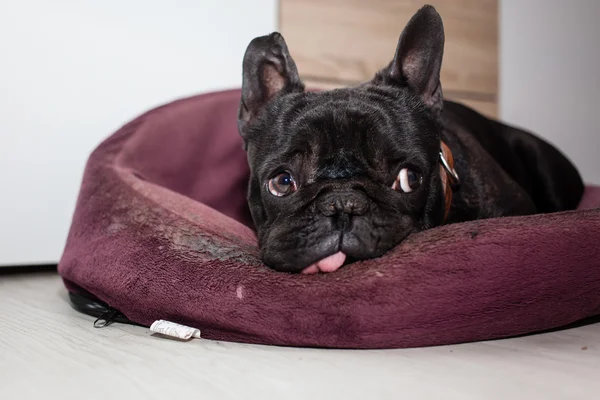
27,269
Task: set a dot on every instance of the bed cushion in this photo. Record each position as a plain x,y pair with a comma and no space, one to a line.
162,231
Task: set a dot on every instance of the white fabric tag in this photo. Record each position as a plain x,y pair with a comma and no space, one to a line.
174,330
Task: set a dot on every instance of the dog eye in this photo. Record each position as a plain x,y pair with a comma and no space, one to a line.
282,184
407,180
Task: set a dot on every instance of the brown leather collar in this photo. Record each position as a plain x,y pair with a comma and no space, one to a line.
450,179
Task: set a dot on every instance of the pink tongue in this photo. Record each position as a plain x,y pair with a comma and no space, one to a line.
328,264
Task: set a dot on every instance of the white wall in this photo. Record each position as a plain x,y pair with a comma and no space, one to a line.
550,74
71,72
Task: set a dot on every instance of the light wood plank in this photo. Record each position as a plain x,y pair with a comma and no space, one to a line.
486,105
49,351
350,40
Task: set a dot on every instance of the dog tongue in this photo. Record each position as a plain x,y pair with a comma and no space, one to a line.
328,264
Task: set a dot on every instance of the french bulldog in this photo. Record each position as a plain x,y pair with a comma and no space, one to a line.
347,174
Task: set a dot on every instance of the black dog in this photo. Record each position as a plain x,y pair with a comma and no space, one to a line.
348,174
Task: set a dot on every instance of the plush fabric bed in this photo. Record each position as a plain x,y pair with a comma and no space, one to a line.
162,231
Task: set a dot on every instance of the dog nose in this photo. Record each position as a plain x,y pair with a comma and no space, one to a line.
347,203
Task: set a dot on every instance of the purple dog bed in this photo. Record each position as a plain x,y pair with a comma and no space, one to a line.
161,231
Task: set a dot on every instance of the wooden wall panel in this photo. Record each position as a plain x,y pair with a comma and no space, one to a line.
341,42
483,105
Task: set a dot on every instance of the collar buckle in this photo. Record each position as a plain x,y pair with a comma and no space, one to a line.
454,179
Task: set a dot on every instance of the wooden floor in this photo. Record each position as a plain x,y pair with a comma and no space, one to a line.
48,350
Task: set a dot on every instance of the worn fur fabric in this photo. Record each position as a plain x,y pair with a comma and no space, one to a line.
161,232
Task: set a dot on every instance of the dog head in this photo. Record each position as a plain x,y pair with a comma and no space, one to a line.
345,174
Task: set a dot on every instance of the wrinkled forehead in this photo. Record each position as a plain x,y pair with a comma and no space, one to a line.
325,123
345,133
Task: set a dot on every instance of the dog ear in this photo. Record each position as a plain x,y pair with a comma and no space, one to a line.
268,70
418,59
